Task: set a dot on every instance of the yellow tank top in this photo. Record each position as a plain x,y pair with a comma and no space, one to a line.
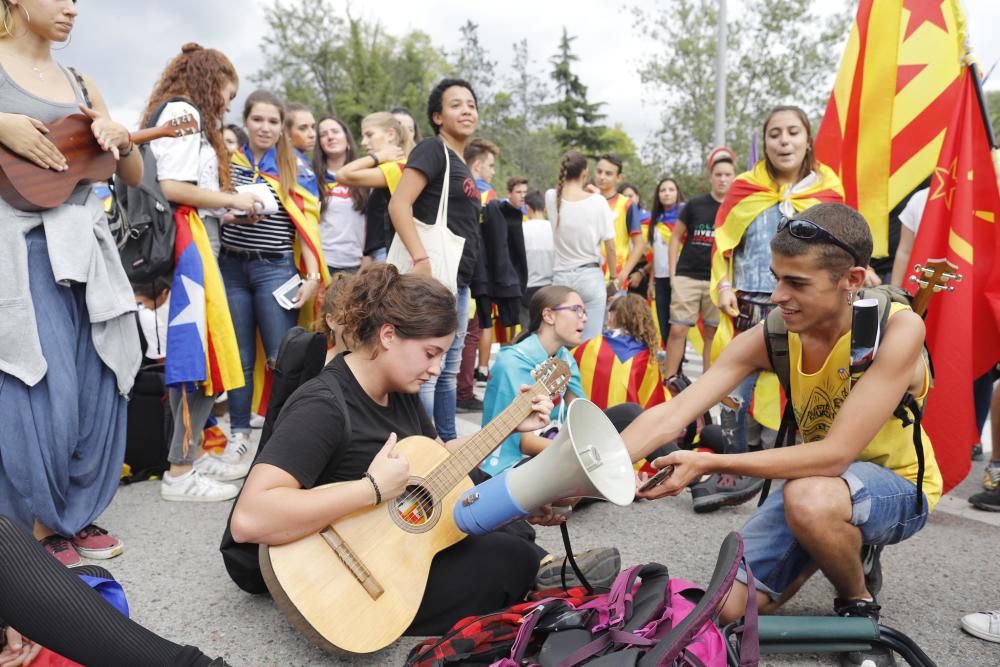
816,398
619,207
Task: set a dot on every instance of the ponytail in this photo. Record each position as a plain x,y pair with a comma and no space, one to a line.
571,165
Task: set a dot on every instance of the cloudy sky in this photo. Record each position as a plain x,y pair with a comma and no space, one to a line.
124,44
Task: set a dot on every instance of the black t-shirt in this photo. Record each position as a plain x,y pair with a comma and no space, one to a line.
377,224
463,199
695,260
309,440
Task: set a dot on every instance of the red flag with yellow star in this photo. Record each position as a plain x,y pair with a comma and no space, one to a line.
960,224
896,86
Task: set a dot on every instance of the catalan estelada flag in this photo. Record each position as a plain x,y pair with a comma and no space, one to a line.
201,342
752,193
619,369
620,205
897,85
959,224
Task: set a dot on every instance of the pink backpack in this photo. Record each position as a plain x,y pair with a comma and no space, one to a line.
646,620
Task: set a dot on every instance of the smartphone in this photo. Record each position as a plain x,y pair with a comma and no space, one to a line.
657,479
285,295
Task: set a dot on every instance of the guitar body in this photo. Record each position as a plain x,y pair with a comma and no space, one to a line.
328,602
28,187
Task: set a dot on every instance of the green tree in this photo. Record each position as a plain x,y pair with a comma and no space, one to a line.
579,117
779,52
348,67
472,62
993,108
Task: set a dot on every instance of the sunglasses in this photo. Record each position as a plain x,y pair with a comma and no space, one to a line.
807,230
579,310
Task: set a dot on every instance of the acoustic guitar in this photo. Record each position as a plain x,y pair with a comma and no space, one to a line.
356,586
28,187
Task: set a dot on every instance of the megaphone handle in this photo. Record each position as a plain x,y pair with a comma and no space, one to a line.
572,561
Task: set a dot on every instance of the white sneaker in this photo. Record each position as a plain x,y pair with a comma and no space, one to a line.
985,625
256,421
194,487
240,449
215,467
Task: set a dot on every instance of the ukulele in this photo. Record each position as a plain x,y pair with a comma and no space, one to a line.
28,187
356,586
933,277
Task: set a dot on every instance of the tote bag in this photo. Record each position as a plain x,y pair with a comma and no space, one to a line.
444,247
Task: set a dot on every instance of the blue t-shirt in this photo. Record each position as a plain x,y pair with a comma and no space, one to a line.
512,369
752,260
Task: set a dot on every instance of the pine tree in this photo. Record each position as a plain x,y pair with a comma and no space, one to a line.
579,116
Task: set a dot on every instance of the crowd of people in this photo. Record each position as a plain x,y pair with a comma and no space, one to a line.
579,271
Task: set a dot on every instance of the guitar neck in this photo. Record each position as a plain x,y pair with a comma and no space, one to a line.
177,127
458,465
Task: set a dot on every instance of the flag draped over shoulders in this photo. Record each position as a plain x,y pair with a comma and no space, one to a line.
885,121
619,369
201,341
959,224
752,193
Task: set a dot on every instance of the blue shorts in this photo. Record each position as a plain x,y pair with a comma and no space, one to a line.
883,508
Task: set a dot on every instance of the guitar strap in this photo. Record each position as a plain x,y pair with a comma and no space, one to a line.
83,87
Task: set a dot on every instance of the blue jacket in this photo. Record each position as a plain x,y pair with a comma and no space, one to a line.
512,369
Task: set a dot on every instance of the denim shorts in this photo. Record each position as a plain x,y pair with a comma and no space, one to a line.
883,508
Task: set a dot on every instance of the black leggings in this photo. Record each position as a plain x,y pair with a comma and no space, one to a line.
50,605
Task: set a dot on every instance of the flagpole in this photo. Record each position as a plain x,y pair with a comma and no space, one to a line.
720,77
981,97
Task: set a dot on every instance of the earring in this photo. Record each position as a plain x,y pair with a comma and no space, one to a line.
6,24
27,16
850,298
68,42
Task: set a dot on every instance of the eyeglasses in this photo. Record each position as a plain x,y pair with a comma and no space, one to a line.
807,230
580,311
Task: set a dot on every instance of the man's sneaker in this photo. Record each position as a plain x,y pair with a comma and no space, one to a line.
876,656
466,405
871,562
983,624
722,489
240,449
215,467
481,377
62,550
95,542
987,500
991,476
977,452
195,487
257,421
599,567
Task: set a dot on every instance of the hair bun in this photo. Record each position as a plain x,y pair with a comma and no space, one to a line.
191,47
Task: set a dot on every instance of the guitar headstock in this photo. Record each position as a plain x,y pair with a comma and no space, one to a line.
932,277
553,374
183,125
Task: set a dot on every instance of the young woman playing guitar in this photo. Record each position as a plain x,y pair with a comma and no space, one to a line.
69,347
400,326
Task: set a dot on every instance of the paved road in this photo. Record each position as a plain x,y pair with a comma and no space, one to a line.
178,587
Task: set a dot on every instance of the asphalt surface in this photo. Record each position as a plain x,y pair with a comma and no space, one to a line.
177,585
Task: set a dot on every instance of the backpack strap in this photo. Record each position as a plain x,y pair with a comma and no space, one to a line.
338,399
776,341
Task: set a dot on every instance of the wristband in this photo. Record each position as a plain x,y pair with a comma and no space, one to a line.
378,494
417,260
723,287
313,276
131,147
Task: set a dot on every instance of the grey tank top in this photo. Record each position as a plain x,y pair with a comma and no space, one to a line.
15,99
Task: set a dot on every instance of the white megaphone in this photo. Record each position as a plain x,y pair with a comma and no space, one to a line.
588,458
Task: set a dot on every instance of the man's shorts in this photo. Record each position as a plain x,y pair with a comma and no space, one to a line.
688,297
883,506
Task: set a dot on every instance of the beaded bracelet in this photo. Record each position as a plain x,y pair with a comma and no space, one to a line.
378,494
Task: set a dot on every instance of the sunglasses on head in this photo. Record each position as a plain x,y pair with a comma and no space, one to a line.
807,230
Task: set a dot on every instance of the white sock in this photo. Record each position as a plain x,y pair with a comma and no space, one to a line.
177,478
484,370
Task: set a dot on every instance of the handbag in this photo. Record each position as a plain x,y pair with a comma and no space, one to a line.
444,247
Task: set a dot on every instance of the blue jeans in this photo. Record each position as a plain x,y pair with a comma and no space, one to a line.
249,286
588,282
439,393
740,441
883,507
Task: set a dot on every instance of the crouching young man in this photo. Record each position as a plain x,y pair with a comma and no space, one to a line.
853,480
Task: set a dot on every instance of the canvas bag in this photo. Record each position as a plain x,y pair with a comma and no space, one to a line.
444,247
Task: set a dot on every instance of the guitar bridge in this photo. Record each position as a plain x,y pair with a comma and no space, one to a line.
353,563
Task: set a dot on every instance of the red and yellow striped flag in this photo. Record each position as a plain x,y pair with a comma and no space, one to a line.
611,380
886,118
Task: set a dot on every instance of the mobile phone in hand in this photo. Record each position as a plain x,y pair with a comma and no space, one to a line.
657,479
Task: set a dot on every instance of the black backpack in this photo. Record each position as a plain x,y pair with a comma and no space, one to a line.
300,359
148,250
908,411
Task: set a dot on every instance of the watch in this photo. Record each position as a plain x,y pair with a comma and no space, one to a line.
317,276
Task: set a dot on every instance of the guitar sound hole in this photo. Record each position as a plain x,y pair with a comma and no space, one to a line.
414,509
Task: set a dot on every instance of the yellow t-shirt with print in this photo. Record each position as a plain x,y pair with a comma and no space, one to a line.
817,397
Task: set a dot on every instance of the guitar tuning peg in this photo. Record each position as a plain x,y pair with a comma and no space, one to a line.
957,277
950,288
918,267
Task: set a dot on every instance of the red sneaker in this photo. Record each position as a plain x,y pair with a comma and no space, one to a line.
62,550
95,542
